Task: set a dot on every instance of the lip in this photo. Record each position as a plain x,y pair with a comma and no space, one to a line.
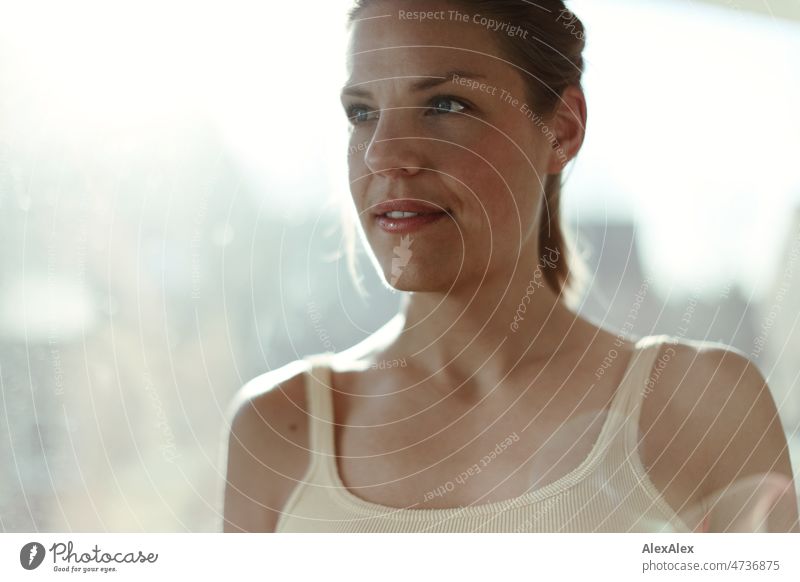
416,206
408,225
427,212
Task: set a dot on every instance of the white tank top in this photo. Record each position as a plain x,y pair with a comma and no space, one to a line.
609,491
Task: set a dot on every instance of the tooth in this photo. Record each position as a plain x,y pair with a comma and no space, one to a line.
400,214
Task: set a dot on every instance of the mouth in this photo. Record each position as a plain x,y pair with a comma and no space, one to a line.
399,208
406,216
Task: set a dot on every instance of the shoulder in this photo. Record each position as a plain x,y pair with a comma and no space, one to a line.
277,390
713,383
687,370
267,447
709,411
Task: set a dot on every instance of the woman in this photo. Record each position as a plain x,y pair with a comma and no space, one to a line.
488,404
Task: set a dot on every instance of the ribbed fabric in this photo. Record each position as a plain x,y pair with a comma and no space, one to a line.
608,492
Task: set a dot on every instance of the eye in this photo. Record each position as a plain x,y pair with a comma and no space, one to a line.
360,114
446,104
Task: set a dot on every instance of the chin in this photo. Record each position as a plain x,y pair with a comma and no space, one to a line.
415,269
403,279
412,279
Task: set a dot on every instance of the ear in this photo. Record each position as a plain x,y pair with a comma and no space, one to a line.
569,125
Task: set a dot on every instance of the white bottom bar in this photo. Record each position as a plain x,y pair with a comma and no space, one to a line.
353,557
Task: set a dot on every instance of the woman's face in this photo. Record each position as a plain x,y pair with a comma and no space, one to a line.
442,130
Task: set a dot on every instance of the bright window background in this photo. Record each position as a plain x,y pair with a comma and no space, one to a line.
693,130
169,173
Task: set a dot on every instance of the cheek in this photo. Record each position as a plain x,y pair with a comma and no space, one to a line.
503,182
357,176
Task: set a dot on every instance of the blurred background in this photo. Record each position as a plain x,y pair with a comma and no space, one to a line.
171,179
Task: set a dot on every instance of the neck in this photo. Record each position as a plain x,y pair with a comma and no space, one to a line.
484,333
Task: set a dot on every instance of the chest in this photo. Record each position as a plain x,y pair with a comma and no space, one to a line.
406,452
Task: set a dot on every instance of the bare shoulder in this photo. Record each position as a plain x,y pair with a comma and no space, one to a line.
712,434
267,448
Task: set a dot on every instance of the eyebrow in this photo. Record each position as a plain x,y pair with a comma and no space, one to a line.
427,82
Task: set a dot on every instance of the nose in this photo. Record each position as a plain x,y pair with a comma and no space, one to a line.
395,149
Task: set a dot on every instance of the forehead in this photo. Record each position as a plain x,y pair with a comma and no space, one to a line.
390,39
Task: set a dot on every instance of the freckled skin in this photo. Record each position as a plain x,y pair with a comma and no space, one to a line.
485,162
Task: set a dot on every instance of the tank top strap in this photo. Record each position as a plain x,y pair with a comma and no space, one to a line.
633,388
644,386
621,424
320,407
